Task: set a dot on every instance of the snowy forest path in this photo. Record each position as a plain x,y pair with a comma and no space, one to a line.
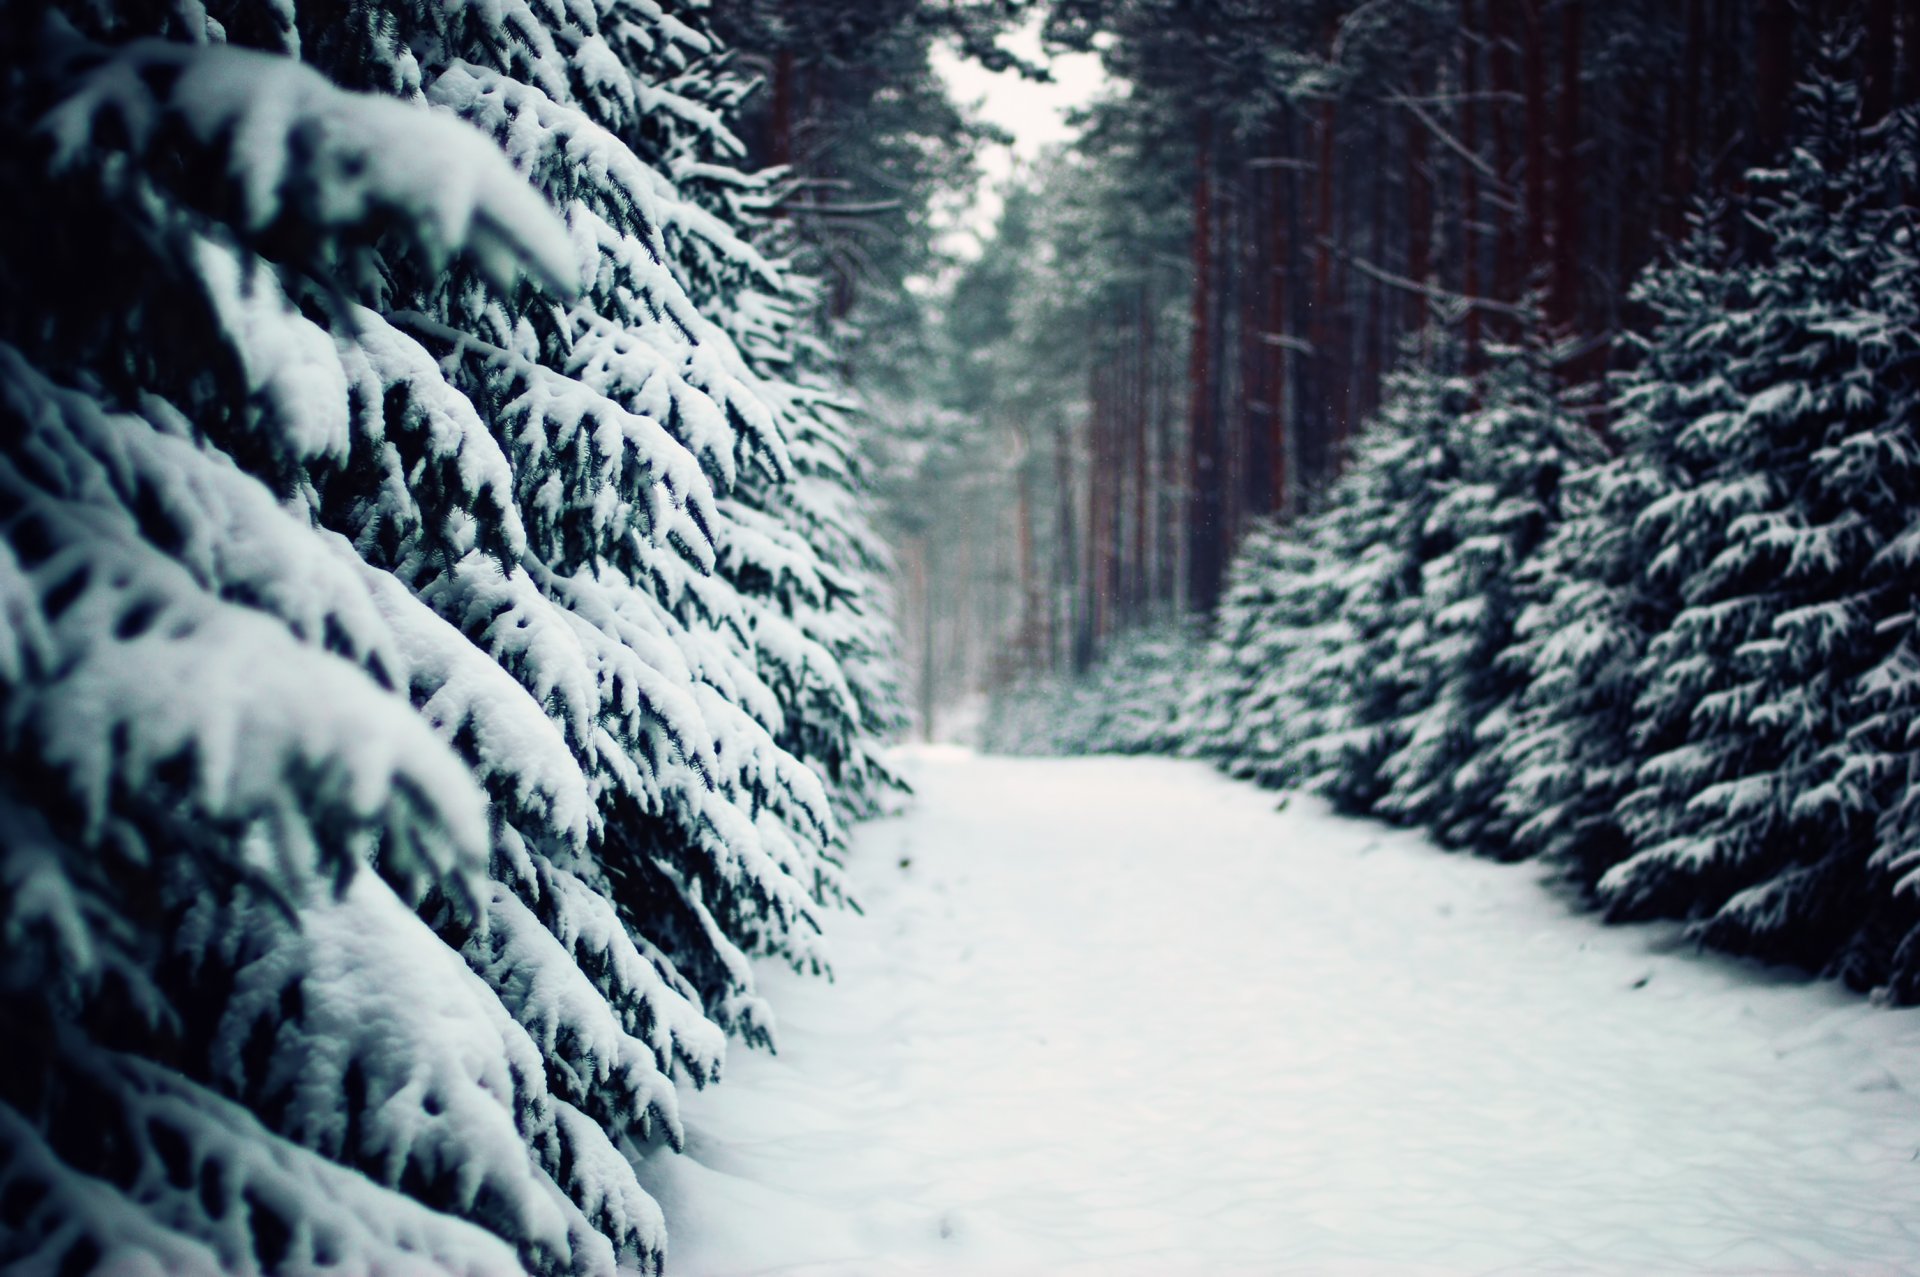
1121,1016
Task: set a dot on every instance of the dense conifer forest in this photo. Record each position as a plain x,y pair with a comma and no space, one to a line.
481,484
441,626
1543,470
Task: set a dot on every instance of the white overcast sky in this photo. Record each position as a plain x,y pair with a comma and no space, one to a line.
1033,113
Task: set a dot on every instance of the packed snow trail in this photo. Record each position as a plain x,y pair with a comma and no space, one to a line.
1121,1016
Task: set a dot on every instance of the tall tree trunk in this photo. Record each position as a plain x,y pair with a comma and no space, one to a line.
1141,585
1114,532
1256,474
1203,495
1229,386
1031,619
1091,511
922,585
1507,269
1067,592
1470,246
1534,76
1101,474
1419,210
1170,502
1329,377
958,601
1337,335
1879,50
1276,326
1567,183
1377,313
1773,77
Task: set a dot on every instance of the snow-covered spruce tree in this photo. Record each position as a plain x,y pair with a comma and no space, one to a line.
1501,498
1376,531
802,547
1303,678
1129,702
1251,694
1749,818
1881,751
1605,580
826,637
1364,651
829,642
1275,701
391,796
633,342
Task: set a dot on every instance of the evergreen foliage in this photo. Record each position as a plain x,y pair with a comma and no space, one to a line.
1452,659
1304,680
1750,809
1600,586
439,638
1367,660
1679,661
1130,703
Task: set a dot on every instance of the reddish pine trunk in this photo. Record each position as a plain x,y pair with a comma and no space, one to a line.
1118,445
1419,214
1203,496
1067,592
1140,585
921,586
1340,360
1032,619
1534,75
1101,476
1256,395
1275,325
1329,354
1506,237
1372,339
1470,180
1093,548
1773,75
1167,511
1567,184
1323,229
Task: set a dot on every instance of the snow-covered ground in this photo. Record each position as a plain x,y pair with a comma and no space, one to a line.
1117,1016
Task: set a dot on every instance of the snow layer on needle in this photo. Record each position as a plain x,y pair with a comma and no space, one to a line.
289,361
587,1049
467,696
620,359
655,1001
569,435
225,1176
385,361
539,133
438,1082
604,187
220,523
152,670
296,145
